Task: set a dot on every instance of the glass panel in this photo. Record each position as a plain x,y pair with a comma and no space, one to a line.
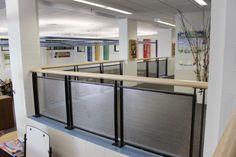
52,98
153,69
141,69
112,69
158,121
162,68
93,107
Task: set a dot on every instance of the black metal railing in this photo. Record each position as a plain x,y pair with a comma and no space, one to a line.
156,67
129,125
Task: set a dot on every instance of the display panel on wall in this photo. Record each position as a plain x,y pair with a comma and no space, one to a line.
106,52
5,48
116,48
97,52
62,55
6,59
81,49
146,48
60,48
132,49
90,53
184,48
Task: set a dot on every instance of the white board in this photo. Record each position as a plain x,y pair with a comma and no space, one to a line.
37,144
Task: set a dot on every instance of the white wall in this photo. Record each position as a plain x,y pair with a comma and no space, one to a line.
164,43
222,84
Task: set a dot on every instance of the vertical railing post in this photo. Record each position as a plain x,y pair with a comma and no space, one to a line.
75,78
68,100
166,66
77,69
121,68
116,122
36,95
101,72
201,145
121,144
193,123
147,68
157,64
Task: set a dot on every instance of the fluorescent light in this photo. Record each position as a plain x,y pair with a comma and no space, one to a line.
103,6
165,23
201,2
3,30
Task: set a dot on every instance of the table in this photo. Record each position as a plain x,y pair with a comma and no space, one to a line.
4,154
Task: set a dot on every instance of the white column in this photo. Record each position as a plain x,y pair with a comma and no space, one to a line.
222,84
127,31
23,31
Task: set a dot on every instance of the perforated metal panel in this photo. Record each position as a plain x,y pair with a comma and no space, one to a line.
158,121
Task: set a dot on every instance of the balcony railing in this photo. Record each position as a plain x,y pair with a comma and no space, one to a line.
161,122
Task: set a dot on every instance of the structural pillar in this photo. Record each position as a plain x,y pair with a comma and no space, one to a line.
221,92
127,32
24,43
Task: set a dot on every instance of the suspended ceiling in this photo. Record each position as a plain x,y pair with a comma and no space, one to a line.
69,18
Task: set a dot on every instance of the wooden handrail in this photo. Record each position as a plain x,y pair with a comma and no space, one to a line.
160,81
141,59
96,62
81,64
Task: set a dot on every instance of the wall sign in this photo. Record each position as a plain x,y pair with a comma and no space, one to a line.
106,52
132,49
62,55
97,52
147,48
90,53
81,49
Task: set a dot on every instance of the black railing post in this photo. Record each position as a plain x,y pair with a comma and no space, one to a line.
193,123
116,122
77,69
121,144
101,72
36,95
166,66
157,62
121,68
147,68
201,145
68,98
75,78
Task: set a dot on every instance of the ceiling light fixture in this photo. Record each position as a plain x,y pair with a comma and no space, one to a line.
165,23
103,6
201,2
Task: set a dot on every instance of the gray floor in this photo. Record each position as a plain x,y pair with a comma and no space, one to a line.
154,120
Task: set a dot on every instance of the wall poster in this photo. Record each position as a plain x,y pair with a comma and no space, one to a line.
97,52
62,55
81,49
106,52
6,60
146,48
89,53
186,60
132,49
